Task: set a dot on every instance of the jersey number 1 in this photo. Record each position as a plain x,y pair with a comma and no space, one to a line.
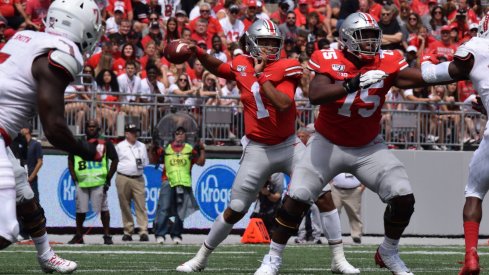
365,97
261,112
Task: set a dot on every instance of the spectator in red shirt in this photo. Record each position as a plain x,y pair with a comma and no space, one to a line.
463,10
213,25
420,7
374,9
423,40
36,11
280,15
154,35
126,4
201,32
128,52
250,14
445,47
149,54
182,19
465,89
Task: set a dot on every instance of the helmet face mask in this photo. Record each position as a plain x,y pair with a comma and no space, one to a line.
77,20
264,36
361,35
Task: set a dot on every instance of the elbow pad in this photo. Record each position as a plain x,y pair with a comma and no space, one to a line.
66,62
435,73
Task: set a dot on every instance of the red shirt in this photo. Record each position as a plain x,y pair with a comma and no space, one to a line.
7,8
301,19
278,17
437,48
37,9
376,11
213,26
354,120
465,89
263,122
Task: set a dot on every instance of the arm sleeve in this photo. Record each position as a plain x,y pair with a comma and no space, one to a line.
38,150
226,71
111,152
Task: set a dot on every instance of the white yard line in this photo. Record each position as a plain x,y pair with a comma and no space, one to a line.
129,252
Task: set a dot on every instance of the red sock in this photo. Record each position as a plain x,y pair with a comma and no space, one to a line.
471,230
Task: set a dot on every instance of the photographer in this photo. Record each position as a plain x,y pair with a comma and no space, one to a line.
176,196
269,200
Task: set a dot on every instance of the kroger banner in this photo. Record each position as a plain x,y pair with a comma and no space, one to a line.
211,184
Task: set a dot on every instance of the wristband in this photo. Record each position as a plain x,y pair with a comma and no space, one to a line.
262,79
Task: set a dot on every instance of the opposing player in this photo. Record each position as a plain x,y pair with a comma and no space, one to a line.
471,61
267,86
35,69
350,84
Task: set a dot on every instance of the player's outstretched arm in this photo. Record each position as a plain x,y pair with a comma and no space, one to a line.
322,90
211,63
52,83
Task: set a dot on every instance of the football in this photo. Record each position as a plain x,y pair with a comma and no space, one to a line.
177,52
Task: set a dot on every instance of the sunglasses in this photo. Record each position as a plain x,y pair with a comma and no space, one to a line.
437,12
153,18
205,11
179,133
233,11
413,18
292,18
386,14
182,79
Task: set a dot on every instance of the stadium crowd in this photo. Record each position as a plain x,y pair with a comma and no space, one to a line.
129,67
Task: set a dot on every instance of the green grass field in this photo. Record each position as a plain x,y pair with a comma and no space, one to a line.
231,259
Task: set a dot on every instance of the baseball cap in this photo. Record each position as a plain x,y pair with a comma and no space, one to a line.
180,12
118,7
259,3
473,26
303,2
131,127
412,49
234,8
237,52
445,28
454,25
251,3
201,42
433,2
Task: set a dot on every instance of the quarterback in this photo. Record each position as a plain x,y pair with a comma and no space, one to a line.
35,69
350,85
267,84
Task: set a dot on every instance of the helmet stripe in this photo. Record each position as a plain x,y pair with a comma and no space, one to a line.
486,23
271,27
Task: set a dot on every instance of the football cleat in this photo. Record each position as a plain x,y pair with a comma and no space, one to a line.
471,265
57,264
269,266
196,264
392,262
343,267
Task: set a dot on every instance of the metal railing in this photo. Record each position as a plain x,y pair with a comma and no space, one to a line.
223,125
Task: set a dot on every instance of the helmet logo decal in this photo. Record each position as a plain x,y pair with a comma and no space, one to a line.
51,22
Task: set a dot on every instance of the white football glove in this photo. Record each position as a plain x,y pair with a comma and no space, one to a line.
371,77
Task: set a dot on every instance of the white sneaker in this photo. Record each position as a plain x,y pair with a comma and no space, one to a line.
160,240
392,262
57,264
196,264
343,267
269,266
177,240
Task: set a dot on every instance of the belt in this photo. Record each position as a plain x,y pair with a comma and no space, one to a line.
128,176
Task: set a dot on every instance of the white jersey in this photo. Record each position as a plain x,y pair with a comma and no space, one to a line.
479,48
18,89
232,31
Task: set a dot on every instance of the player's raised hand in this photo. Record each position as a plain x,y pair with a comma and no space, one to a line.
260,63
371,77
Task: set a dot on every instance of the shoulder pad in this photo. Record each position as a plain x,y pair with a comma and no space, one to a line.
463,52
292,68
66,62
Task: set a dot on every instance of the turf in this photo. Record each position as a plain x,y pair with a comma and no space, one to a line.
231,259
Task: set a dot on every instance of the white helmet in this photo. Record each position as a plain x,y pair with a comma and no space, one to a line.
351,34
77,20
483,30
263,29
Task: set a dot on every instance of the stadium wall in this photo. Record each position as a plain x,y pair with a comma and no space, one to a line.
438,180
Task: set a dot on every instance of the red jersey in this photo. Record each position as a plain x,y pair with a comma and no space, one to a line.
465,89
354,120
263,122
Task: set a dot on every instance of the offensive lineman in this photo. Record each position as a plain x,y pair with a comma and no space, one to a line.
35,69
350,85
267,86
